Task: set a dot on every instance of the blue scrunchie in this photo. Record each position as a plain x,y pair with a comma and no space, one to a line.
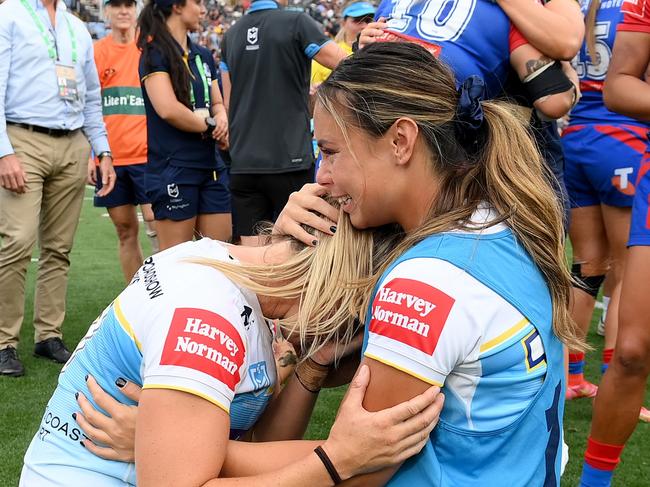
469,114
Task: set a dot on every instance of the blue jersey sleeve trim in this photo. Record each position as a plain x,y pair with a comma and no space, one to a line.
223,67
262,5
312,49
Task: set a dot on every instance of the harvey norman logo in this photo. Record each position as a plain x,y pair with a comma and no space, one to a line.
411,312
204,341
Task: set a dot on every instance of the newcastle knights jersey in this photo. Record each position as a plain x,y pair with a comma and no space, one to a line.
636,16
470,312
181,325
592,72
474,37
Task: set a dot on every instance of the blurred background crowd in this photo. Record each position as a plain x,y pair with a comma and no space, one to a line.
222,14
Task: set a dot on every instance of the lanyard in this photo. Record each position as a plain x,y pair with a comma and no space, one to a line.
52,50
206,93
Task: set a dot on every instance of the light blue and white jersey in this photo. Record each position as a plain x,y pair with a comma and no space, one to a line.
179,325
471,313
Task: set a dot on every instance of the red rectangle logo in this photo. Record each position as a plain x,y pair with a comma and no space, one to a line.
411,312
205,341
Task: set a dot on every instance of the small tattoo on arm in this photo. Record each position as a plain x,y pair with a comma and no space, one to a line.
289,358
534,65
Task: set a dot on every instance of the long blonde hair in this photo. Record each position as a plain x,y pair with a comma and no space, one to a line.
590,29
326,279
385,81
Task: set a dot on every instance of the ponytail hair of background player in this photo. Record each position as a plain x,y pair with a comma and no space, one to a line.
386,81
328,280
153,32
590,26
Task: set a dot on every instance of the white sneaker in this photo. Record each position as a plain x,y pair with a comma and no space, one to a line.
601,325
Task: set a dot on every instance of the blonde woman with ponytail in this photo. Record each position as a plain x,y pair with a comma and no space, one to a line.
194,330
475,298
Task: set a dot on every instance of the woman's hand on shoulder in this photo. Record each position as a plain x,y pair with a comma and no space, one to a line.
110,437
300,209
362,442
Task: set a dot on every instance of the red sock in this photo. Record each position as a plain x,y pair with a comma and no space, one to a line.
602,456
576,368
607,356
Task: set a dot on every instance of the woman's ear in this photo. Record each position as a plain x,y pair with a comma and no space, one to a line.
404,134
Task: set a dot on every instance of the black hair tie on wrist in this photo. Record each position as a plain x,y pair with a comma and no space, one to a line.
329,466
470,119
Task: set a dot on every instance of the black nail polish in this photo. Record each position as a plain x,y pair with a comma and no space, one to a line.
120,382
314,242
82,444
86,378
76,395
333,228
74,416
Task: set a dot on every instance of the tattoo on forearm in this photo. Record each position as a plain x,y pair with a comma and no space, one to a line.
289,358
537,64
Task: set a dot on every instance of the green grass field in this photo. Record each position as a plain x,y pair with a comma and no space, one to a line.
95,279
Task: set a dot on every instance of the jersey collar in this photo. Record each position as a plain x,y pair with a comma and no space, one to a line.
258,5
192,51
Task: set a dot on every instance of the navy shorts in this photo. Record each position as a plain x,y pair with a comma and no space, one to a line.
129,187
602,163
180,193
261,197
640,227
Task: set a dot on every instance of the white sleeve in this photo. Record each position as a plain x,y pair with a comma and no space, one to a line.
425,321
197,345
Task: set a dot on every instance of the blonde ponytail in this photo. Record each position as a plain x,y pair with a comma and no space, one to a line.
517,183
590,31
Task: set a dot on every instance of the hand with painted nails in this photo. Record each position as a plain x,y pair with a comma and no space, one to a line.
361,441
305,207
371,32
115,432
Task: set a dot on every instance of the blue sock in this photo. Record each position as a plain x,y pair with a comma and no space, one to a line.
592,477
576,363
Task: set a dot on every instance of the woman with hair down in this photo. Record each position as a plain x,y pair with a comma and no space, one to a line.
192,329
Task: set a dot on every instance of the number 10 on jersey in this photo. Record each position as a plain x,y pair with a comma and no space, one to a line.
435,20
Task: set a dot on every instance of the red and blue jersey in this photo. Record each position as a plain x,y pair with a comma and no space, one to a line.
592,72
636,16
458,35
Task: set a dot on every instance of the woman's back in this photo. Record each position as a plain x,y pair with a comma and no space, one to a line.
178,325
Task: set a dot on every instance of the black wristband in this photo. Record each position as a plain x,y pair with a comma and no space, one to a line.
550,81
329,466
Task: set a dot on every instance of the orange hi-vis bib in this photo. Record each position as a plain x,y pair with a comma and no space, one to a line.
122,102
